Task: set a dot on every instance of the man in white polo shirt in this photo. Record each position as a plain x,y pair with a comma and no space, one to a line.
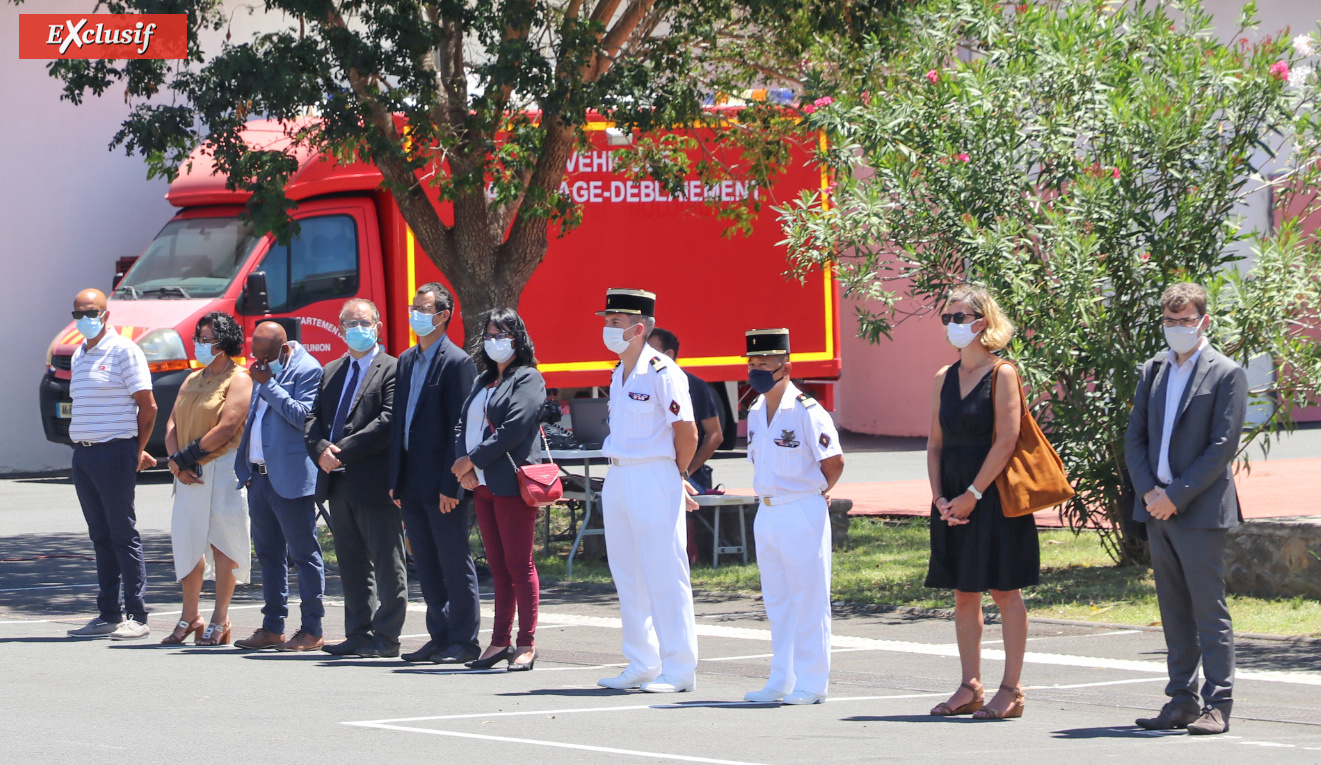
114,412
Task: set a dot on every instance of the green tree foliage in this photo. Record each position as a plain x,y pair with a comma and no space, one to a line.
477,102
1077,157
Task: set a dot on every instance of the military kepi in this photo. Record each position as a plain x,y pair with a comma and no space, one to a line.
637,302
767,342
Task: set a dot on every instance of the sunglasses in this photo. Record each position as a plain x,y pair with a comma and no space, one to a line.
92,314
958,317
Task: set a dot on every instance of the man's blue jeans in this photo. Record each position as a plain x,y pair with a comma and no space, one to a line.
283,530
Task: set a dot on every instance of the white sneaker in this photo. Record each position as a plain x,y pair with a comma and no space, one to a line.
803,697
130,629
764,696
665,684
622,681
97,627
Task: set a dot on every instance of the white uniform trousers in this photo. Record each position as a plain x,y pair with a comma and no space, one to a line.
646,537
793,553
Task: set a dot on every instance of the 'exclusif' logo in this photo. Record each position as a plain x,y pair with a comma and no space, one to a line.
102,36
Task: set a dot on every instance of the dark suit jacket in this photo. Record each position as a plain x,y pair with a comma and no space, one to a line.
423,474
515,410
364,446
1202,445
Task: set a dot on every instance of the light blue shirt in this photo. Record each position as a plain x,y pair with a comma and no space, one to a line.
416,382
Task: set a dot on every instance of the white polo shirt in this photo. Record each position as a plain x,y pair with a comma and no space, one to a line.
102,385
786,454
644,403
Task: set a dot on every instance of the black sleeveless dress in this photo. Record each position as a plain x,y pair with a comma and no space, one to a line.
990,552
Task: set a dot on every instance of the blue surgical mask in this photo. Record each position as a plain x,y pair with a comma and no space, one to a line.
203,353
762,380
90,326
360,339
276,365
421,323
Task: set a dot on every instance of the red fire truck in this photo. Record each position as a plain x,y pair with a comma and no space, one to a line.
354,242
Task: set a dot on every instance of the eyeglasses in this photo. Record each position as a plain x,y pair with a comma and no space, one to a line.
497,336
355,323
92,314
430,310
958,317
1193,322
205,340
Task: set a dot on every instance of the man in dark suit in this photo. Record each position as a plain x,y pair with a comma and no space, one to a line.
273,463
1182,437
432,380
348,434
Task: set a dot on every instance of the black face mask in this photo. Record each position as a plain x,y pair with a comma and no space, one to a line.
762,380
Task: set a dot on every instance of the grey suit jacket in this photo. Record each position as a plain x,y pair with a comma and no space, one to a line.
1202,445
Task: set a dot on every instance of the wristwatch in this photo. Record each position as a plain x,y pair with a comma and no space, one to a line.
685,475
972,489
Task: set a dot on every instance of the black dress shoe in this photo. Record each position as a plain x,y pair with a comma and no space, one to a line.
379,648
424,653
1172,716
507,654
348,647
455,654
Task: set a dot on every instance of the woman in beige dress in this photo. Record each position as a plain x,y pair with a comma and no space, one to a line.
209,527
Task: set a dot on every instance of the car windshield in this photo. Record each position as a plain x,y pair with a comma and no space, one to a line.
193,258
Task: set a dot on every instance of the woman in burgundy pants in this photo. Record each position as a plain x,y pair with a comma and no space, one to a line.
496,431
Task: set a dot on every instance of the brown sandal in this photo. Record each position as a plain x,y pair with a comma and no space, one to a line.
1015,709
216,634
193,628
943,709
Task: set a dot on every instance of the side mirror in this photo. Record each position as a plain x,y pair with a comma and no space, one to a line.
256,300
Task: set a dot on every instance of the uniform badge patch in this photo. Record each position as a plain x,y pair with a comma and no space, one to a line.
639,396
825,441
787,439
674,407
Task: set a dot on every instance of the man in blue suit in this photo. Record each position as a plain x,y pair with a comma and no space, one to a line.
281,480
432,380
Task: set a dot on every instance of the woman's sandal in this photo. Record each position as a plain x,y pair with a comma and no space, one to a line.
1015,709
216,634
943,709
175,638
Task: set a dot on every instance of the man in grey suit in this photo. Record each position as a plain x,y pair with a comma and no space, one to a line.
1182,437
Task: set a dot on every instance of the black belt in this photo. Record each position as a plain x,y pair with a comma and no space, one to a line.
258,467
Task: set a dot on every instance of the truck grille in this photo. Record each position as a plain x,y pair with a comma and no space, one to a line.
62,362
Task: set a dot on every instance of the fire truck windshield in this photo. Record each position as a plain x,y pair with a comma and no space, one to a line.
196,257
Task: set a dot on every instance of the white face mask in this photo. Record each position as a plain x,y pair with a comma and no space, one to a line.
500,350
960,335
1183,339
613,337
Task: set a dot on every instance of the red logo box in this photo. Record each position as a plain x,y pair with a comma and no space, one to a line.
102,35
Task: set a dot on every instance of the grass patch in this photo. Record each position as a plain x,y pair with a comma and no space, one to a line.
888,562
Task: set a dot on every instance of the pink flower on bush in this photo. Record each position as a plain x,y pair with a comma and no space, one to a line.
808,108
933,76
1145,256
1280,70
823,102
1115,173
963,157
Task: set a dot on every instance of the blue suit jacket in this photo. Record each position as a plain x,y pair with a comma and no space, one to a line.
289,398
423,473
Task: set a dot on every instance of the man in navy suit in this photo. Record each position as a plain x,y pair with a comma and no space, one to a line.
432,380
281,479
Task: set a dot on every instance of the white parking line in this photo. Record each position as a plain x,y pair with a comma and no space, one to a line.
51,587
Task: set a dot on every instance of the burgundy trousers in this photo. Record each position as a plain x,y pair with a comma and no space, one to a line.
508,525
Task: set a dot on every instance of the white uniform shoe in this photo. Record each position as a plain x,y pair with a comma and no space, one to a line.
803,697
665,684
622,681
97,627
764,696
130,629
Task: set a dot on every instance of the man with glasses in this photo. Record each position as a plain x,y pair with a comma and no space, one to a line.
114,412
273,463
348,434
1183,434
432,381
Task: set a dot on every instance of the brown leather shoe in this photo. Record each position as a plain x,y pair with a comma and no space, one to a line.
301,641
262,638
1211,722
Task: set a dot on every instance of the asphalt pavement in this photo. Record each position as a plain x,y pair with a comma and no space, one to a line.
67,700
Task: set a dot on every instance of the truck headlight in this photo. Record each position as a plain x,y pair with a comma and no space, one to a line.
164,350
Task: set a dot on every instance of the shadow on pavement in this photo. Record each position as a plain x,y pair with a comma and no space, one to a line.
918,718
38,640
1288,657
1087,733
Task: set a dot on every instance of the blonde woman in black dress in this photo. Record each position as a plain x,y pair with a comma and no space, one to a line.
974,547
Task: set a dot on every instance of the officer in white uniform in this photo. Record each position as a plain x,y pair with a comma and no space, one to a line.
652,434
796,459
